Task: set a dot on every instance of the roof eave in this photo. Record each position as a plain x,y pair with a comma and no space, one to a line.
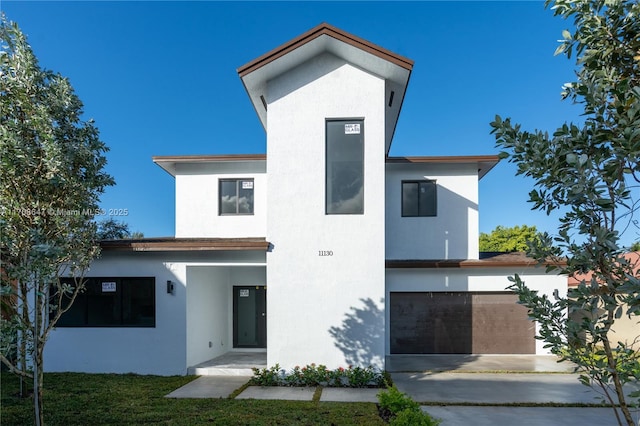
185,244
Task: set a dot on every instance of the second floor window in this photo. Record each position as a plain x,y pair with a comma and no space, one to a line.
345,166
419,198
236,196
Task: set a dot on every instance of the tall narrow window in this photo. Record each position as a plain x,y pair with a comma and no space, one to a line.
345,166
419,198
236,196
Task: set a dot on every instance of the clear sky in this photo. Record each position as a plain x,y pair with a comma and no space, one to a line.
159,78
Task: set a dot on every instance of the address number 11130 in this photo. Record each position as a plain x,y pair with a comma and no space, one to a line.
325,253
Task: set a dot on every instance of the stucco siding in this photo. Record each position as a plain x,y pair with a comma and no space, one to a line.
308,294
157,350
453,233
197,206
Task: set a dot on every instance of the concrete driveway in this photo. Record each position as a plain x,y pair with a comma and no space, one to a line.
452,393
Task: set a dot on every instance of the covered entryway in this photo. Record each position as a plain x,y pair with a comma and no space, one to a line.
226,310
250,317
459,323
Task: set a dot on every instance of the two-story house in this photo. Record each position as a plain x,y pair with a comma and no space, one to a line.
325,250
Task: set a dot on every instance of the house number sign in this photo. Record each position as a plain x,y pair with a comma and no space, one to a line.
325,252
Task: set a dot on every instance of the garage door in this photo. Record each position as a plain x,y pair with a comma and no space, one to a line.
459,323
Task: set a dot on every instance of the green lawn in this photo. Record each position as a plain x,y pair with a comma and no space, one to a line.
96,399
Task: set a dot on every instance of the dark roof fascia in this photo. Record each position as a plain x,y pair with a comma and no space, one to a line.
186,244
444,159
208,158
487,260
331,31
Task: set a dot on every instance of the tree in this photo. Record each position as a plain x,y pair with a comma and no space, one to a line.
52,176
589,172
506,240
635,246
111,229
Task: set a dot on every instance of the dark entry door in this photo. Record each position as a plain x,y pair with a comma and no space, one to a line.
250,317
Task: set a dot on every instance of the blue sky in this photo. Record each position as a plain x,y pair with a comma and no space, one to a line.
159,78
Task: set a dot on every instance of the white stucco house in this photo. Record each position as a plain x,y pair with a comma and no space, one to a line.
323,250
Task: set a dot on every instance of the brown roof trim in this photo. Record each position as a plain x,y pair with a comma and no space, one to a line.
185,244
444,159
487,260
209,158
331,31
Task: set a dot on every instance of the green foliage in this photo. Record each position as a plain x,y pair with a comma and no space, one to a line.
589,173
505,240
402,410
319,375
271,376
52,165
635,246
395,401
111,229
413,418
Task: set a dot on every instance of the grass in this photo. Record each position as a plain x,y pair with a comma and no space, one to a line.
110,399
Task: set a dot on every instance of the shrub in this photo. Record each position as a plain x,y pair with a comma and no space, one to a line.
401,410
394,401
319,375
273,376
413,418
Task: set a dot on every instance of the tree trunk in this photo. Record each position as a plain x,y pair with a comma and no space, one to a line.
22,361
616,382
37,359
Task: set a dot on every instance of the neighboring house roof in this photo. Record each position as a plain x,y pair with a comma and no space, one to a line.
170,162
487,260
633,257
485,162
185,244
394,68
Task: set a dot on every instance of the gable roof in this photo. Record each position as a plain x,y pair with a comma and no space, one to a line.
394,68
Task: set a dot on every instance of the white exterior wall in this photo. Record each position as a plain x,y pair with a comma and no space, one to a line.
309,294
471,279
200,310
159,350
453,233
208,307
197,199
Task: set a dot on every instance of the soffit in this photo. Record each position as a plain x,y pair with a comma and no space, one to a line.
244,162
395,69
484,163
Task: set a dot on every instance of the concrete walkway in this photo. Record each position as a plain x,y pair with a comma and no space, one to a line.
448,395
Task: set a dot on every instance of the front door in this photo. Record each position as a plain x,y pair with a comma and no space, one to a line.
250,317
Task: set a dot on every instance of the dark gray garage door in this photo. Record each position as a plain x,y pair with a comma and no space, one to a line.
459,323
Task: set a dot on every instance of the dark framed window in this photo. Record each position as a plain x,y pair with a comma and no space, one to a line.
236,196
419,198
112,302
345,166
